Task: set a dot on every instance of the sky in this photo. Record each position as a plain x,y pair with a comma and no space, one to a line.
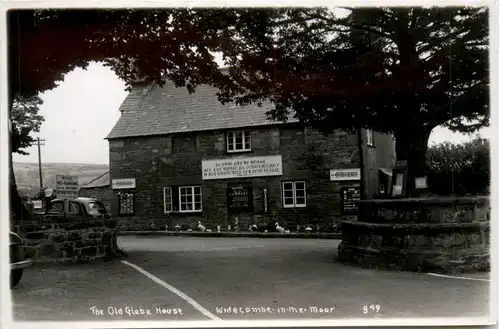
83,109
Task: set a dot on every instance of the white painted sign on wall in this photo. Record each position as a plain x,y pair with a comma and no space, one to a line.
345,174
258,166
67,186
122,183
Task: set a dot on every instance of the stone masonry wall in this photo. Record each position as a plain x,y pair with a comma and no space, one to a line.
67,241
421,235
160,161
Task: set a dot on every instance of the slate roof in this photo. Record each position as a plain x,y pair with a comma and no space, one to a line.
100,181
169,110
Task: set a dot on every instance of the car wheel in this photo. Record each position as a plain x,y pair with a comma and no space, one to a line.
15,277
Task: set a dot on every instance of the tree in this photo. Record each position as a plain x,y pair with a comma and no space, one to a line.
403,71
25,121
141,46
459,168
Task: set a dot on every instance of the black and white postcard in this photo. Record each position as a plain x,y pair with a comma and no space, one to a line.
208,164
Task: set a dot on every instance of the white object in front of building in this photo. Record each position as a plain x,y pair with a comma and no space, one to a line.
421,182
345,174
67,186
259,166
122,183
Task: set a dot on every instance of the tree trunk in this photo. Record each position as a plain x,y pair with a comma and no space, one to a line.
411,145
18,210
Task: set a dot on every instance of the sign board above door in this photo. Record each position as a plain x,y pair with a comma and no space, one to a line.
345,174
122,183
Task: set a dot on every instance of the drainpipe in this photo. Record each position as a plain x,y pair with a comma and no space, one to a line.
362,164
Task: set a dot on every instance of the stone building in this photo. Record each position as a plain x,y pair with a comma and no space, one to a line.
100,189
180,158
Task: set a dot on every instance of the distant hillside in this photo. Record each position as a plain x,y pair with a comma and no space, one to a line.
27,173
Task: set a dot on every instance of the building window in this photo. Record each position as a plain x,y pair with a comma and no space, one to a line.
190,198
167,200
369,137
126,202
294,194
182,199
238,141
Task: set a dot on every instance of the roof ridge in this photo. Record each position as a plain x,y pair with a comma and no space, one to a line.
107,172
173,109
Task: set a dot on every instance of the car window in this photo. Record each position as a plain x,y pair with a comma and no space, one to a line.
74,208
56,208
96,208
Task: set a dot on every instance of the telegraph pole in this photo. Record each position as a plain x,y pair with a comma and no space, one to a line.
40,142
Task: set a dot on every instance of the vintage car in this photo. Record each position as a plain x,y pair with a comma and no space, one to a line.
79,207
79,210
17,260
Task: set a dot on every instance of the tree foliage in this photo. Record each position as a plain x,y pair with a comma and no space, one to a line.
399,70
375,67
459,168
25,121
403,71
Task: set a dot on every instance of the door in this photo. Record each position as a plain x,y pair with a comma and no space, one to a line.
240,207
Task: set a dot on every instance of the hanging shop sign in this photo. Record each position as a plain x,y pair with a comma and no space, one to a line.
123,183
242,167
345,174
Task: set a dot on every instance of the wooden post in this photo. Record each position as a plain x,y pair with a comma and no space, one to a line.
40,142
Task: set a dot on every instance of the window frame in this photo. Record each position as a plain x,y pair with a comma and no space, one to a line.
193,196
168,188
74,204
246,138
370,137
57,212
294,191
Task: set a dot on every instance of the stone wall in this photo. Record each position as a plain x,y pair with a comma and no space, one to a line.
442,235
160,161
84,240
101,193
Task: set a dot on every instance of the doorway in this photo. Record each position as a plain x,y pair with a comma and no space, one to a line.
240,206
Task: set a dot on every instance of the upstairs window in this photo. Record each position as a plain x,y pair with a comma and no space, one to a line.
238,141
369,137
